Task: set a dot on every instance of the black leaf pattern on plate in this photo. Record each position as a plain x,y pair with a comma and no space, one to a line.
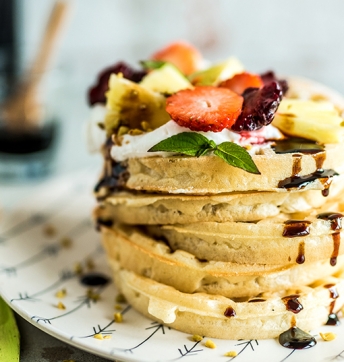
85,300
103,330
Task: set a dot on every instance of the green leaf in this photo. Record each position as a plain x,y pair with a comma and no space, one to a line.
152,64
9,335
187,143
236,156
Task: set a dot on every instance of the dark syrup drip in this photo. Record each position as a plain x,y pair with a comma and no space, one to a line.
332,317
301,254
296,338
94,280
300,182
319,159
334,217
333,320
336,246
257,300
292,304
295,228
115,174
229,312
297,145
296,164
103,222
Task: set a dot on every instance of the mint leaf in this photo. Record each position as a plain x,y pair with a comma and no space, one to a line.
187,143
152,64
236,156
195,144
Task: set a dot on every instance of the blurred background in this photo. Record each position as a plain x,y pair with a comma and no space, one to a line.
294,37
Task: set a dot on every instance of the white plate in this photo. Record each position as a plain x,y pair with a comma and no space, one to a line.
35,265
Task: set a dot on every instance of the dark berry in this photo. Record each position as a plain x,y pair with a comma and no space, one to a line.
259,107
270,76
96,94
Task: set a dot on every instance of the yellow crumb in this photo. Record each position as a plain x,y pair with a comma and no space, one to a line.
66,242
90,264
61,293
120,298
60,305
231,354
118,307
118,317
98,336
196,338
92,295
49,230
107,336
248,147
210,344
328,336
78,268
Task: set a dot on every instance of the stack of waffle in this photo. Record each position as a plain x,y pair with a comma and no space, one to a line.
210,249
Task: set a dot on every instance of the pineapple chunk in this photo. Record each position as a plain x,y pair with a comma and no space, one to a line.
318,121
131,105
217,73
166,79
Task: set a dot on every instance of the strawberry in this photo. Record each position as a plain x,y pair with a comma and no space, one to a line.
205,108
239,82
181,54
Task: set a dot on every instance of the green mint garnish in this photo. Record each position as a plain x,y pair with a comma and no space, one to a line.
152,64
195,144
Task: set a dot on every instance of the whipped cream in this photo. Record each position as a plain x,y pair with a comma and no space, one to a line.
137,146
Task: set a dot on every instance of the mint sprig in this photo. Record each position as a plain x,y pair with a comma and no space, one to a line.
152,64
195,144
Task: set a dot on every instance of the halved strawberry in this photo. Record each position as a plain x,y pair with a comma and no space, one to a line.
181,54
242,81
205,108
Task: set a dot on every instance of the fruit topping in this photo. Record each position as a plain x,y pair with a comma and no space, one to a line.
181,54
259,108
318,121
96,94
217,73
133,108
166,80
242,81
270,76
205,108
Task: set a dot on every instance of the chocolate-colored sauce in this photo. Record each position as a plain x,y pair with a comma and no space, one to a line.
332,317
302,181
301,254
334,217
336,245
297,145
94,279
296,338
319,159
104,222
296,164
229,312
115,174
292,304
295,228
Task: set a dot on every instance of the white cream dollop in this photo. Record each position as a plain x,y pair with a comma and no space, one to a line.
137,146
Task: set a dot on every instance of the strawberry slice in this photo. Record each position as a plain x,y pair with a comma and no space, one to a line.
239,82
181,54
205,108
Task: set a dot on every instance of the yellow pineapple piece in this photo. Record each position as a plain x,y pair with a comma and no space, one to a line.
166,79
129,104
217,73
318,121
